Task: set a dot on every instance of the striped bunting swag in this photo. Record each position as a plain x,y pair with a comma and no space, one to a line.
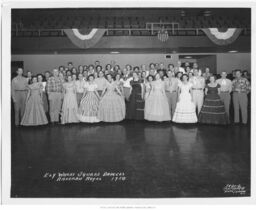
85,40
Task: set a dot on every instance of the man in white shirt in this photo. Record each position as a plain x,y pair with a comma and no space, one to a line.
198,83
171,90
181,69
80,84
225,90
19,90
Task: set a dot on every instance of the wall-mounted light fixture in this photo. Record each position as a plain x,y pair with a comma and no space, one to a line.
233,51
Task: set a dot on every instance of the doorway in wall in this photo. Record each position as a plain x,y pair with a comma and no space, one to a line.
203,61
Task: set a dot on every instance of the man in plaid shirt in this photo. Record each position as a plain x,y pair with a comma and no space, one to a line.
54,88
241,88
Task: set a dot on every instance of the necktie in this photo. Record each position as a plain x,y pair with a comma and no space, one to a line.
170,85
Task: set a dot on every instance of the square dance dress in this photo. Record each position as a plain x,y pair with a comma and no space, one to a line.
69,106
135,105
213,110
112,105
34,111
185,111
156,103
89,105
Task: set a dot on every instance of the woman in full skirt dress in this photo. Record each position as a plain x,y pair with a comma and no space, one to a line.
44,95
119,84
89,105
34,111
112,104
148,88
157,108
185,111
213,110
135,104
69,106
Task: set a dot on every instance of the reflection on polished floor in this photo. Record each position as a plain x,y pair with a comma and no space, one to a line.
158,160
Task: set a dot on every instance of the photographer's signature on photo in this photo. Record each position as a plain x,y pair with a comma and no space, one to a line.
234,189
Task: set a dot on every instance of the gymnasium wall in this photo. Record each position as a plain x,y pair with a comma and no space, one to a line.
41,62
229,61
208,61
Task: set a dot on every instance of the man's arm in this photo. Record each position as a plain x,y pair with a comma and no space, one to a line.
203,82
248,86
233,85
230,86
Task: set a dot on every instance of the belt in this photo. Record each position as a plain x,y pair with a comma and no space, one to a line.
197,88
239,91
224,91
171,91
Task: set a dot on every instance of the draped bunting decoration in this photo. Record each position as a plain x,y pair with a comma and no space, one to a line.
84,40
220,37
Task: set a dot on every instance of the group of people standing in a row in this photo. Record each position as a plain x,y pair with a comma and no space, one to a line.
110,95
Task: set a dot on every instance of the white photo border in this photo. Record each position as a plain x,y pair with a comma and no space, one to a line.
6,101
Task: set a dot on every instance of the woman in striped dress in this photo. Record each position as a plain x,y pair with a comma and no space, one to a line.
112,105
89,104
213,110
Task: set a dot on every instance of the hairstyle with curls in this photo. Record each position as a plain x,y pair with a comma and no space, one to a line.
179,72
91,75
98,66
149,77
214,76
109,75
184,75
43,78
31,80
